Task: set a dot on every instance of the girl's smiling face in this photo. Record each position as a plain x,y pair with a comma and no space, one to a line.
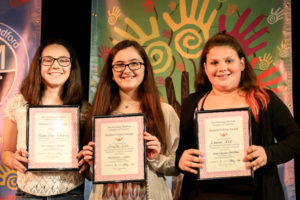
128,80
223,68
55,75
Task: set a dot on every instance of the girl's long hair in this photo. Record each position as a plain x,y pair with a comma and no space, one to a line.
32,87
256,96
107,97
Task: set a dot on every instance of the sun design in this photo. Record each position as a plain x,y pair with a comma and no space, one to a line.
8,177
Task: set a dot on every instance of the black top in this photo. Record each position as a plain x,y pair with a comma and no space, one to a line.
274,123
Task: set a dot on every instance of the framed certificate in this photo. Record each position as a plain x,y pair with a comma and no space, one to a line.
223,137
119,151
52,137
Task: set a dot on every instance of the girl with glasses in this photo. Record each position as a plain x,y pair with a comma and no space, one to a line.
127,86
54,78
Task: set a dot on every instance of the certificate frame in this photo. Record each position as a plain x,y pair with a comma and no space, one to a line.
57,126
223,147
119,148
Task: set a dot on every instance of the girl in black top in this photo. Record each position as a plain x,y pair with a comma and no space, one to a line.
226,80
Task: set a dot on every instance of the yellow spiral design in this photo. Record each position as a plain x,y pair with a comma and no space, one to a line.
263,65
11,181
163,54
188,43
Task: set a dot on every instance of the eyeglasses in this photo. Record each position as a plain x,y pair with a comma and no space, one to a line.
119,67
62,61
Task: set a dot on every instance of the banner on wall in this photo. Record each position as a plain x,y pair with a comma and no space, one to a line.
20,31
173,33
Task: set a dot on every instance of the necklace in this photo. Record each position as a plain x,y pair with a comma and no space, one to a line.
130,107
136,104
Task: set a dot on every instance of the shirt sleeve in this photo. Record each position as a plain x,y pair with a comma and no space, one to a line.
10,108
281,126
165,163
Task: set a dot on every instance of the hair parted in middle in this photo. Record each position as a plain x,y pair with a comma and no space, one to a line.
256,96
32,87
107,97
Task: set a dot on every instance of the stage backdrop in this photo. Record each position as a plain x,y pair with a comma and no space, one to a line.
20,30
173,33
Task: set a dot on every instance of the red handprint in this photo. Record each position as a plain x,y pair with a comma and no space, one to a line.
149,5
16,3
103,52
241,36
277,80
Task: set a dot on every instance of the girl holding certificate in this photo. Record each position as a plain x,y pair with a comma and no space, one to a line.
54,78
127,86
226,80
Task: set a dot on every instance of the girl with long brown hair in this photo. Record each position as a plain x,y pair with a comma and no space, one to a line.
127,86
54,78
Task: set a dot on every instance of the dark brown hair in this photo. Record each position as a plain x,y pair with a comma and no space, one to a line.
256,96
107,97
33,87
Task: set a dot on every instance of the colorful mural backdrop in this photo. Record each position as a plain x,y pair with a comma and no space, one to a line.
20,30
173,33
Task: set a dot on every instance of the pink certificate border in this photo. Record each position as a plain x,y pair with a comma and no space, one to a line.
98,177
201,117
32,165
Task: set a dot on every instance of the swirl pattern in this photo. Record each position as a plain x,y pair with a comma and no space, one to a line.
272,19
188,43
161,56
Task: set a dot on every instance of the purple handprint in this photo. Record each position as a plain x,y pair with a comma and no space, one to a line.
241,36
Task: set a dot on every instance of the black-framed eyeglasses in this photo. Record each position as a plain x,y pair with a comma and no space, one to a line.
62,61
119,67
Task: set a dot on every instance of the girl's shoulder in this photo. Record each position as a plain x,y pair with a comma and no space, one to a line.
192,99
16,101
168,110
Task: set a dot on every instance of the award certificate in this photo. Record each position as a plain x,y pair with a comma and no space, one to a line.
223,137
52,137
119,151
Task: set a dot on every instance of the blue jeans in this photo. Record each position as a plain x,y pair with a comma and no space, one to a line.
75,194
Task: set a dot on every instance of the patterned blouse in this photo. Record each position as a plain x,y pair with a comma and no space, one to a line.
38,183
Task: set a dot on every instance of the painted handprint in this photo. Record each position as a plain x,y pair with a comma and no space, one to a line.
17,3
160,81
275,16
284,49
180,66
242,36
276,71
166,34
265,61
188,36
159,52
113,15
172,5
103,52
231,9
141,37
148,5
